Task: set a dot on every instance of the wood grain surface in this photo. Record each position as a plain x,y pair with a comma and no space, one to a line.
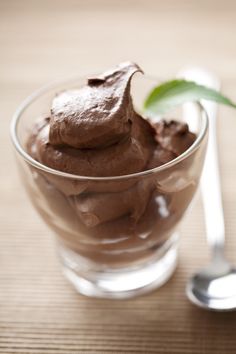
45,40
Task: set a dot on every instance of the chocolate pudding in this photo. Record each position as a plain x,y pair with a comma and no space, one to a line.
95,131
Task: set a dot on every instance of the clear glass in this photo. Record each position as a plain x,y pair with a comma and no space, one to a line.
106,252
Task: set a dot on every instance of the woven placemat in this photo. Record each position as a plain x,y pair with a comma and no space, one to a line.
39,311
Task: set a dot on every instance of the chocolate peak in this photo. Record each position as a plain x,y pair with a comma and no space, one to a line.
96,115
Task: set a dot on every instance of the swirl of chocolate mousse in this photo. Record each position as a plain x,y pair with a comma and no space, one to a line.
97,115
94,130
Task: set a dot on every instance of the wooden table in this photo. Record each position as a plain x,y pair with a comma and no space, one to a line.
44,40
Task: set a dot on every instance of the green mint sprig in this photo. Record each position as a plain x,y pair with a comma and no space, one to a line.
176,92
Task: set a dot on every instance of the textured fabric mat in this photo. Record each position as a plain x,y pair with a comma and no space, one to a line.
44,40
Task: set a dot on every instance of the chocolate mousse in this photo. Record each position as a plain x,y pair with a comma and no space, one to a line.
94,131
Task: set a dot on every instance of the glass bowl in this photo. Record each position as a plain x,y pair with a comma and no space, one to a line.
117,237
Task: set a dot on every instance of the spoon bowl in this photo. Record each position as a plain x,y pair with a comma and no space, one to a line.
214,290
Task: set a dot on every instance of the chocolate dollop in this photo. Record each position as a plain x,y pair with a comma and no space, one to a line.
96,115
95,131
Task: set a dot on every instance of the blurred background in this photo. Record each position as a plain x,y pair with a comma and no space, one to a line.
42,40
45,40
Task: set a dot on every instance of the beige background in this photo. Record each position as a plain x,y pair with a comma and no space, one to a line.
41,41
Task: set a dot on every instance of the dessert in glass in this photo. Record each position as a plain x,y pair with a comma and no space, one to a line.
112,184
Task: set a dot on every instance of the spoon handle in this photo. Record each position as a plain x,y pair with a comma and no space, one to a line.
211,188
210,182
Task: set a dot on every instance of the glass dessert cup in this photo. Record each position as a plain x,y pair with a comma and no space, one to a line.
106,250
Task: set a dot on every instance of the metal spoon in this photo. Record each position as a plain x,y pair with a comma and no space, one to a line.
213,287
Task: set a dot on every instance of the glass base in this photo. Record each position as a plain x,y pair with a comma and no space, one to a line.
121,283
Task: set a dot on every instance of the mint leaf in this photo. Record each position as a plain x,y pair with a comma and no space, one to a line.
175,92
